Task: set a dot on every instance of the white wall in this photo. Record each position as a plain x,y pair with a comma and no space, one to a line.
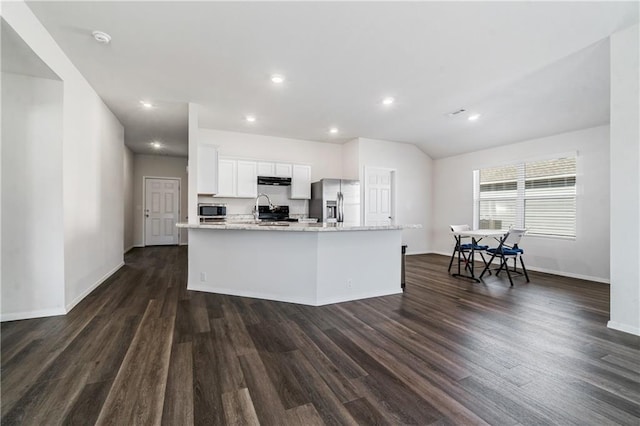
128,199
583,257
351,159
32,233
625,182
325,160
413,185
157,166
92,172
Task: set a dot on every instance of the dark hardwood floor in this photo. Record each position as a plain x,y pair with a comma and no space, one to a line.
141,349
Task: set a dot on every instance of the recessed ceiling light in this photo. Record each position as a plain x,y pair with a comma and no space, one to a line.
250,118
146,104
473,117
156,145
277,78
388,101
333,130
101,37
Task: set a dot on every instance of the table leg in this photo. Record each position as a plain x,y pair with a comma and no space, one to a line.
486,268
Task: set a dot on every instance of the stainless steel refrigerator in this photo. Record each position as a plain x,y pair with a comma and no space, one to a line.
335,200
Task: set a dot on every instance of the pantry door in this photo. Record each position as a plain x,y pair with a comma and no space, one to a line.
378,196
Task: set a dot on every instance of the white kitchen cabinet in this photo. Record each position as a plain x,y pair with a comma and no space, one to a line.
301,182
247,179
266,168
227,177
207,169
237,178
283,170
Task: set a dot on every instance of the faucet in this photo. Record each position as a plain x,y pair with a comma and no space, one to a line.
256,213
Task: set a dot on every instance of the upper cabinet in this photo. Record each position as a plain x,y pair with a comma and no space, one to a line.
274,169
247,180
207,169
301,182
227,177
237,178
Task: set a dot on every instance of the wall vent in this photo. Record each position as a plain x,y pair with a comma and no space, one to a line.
454,113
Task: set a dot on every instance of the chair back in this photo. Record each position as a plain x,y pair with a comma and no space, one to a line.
514,236
460,228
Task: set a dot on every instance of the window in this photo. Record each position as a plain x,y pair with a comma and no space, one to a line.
540,196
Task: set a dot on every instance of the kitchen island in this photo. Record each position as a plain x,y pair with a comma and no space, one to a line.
311,264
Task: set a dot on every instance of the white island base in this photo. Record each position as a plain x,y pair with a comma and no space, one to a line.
311,268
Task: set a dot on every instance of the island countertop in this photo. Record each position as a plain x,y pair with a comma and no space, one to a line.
294,226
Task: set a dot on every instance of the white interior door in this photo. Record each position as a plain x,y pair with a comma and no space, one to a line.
162,197
378,196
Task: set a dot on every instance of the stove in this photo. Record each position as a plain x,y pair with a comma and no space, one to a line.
278,214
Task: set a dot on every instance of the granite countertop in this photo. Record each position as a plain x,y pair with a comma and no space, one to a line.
294,226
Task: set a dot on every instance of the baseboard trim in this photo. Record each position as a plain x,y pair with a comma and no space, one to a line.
411,253
183,244
302,301
51,312
95,285
128,249
550,271
250,294
615,325
569,274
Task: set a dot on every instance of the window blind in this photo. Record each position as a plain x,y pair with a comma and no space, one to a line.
540,196
550,197
498,197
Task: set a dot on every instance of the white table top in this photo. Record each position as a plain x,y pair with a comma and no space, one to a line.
482,233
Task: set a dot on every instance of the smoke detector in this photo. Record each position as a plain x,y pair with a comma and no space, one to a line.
101,37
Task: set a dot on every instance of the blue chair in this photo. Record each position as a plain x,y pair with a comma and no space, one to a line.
509,250
463,250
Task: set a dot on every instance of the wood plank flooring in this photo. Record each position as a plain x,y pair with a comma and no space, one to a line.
141,349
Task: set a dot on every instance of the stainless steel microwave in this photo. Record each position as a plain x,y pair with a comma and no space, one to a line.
212,210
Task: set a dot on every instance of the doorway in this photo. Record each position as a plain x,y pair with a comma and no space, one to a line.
161,211
379,196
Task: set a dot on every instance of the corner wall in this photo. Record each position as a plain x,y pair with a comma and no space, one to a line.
453,198
413,185
92,167
128,199
625,182
32,232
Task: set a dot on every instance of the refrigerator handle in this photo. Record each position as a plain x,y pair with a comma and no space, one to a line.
340,207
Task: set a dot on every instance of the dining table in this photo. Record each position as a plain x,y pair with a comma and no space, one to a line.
476,236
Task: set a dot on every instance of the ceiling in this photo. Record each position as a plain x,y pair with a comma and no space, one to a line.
530,69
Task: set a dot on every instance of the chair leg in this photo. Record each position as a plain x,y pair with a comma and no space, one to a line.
484,261
502,263
467,261
453,255
506,267
524,269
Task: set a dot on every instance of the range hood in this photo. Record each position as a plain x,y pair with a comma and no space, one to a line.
272,180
